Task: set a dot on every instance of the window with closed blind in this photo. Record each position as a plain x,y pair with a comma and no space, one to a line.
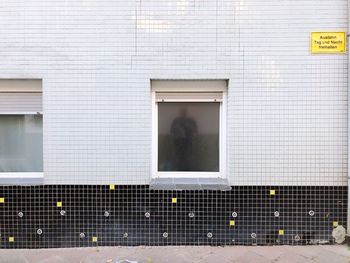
21,131
189,128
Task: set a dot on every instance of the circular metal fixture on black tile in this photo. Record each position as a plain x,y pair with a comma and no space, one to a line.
147,214
82,235
125,235
276,214
62,213
210,235
234,214
191,214
311,212
20,214
106,214
39,231
297,238
165,234
253,235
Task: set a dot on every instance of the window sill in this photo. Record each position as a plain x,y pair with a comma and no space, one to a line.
190,184
21,178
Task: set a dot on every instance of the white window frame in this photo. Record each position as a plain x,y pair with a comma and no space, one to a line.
21,86
222,174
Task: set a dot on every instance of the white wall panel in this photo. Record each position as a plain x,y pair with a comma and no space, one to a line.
287,109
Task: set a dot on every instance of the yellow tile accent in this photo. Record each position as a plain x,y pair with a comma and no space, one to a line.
281,232
11,239
2,200
59,204
232,222
272,192
111,187
94,239
335,224
174,200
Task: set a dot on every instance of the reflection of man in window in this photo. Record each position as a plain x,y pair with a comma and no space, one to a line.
183,129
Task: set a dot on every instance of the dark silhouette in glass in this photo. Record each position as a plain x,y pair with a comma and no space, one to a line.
183,129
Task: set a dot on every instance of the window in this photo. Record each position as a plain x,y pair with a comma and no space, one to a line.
189,129
21,131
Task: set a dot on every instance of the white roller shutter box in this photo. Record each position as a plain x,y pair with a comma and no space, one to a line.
20,96
189,90
189,85
188,96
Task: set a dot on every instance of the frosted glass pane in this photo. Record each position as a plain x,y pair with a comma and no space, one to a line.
188,136
21,143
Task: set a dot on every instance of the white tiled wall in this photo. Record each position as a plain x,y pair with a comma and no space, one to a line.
287,109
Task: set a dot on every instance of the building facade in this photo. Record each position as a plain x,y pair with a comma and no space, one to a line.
92,95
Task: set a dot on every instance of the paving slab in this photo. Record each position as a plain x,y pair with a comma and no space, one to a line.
237,254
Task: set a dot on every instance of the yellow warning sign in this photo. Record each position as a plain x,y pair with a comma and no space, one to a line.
328,42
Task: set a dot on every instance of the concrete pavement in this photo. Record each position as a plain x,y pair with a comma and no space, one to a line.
241,254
